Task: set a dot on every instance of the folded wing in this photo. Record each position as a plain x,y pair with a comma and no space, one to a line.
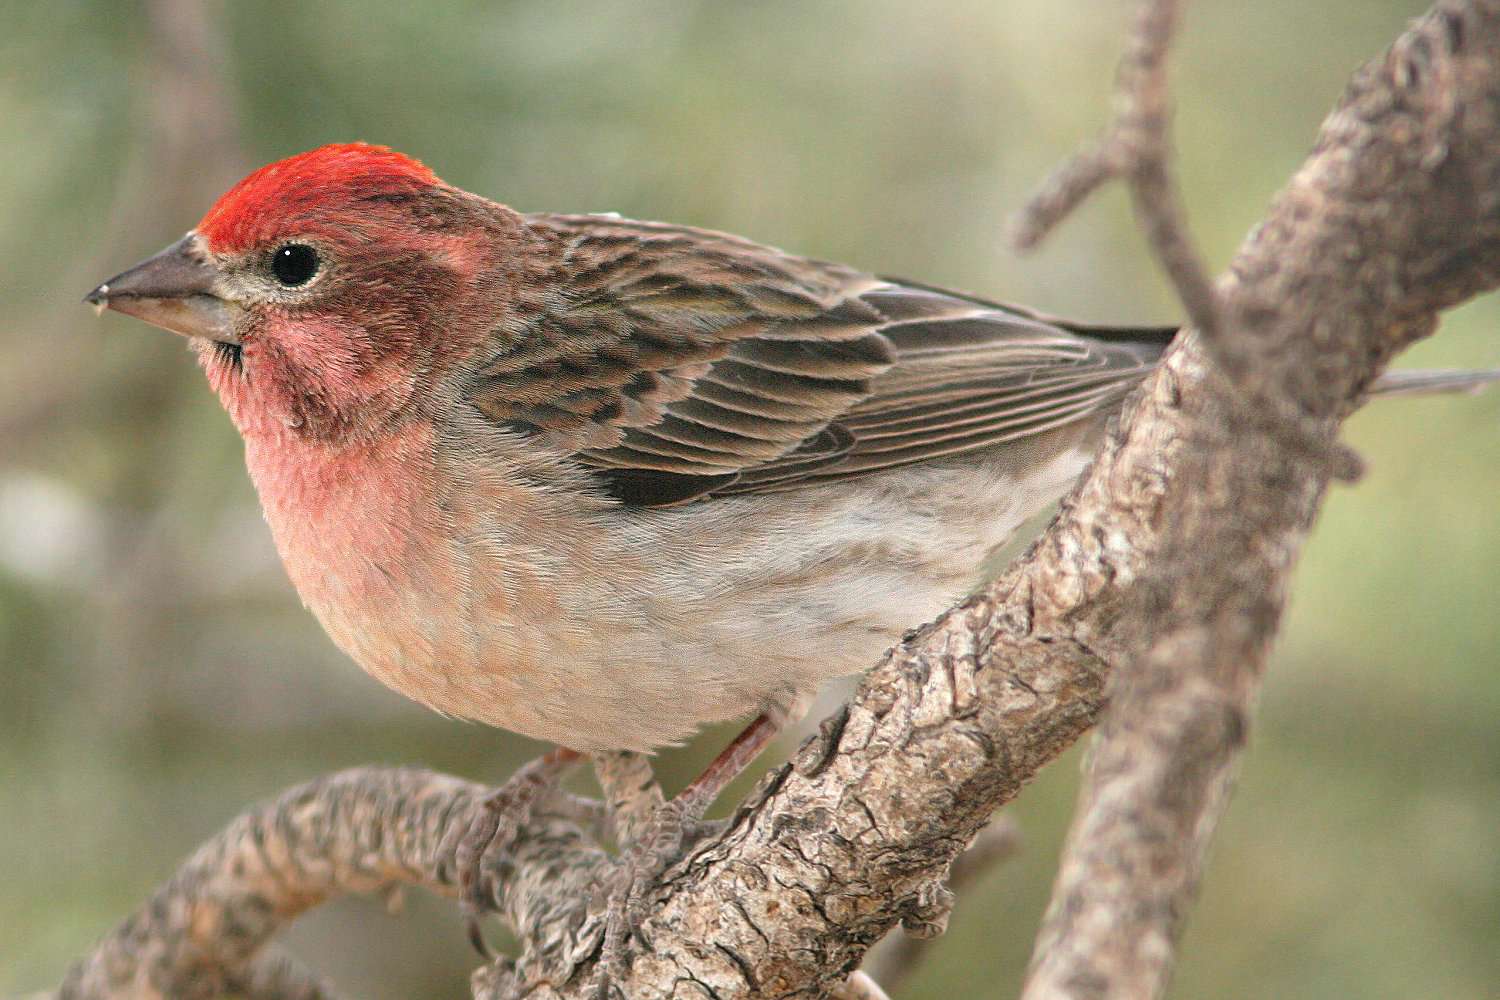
679,364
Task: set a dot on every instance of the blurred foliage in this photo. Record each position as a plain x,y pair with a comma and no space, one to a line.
159,675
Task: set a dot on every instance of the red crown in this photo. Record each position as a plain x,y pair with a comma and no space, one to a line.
278,193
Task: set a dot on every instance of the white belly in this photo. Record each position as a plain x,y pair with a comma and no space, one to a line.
752,603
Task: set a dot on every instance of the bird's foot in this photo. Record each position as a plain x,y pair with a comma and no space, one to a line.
491,828
655,835
660,842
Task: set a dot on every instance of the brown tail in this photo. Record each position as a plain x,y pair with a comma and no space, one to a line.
1152,341
1430,381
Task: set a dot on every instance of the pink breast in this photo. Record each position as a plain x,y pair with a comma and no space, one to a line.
329,504
359,533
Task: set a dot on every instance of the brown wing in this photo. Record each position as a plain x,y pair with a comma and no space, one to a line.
679,364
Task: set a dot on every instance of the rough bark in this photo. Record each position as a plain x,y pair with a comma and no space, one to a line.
1167,566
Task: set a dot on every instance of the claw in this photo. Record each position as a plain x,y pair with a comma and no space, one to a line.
658,842
475,934
482,835
639,869
491,828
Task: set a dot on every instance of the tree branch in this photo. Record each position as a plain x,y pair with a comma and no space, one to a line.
1183,696
1137,147
200,935
1169,561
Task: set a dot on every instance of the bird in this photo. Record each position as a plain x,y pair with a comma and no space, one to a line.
602,482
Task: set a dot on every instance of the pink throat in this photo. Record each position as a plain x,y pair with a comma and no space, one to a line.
344,514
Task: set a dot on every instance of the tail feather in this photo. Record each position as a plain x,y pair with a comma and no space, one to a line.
1430,381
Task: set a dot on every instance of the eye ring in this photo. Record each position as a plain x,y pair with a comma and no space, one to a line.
295,264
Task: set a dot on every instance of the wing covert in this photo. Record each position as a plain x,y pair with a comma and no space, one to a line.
678,364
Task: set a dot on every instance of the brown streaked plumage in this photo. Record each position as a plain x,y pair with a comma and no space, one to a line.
679,363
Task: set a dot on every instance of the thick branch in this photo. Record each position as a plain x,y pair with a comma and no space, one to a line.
1243,501
199,935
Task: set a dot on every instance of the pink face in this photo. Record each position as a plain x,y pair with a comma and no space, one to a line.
353,265
330,290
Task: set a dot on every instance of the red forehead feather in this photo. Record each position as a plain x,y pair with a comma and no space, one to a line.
281,192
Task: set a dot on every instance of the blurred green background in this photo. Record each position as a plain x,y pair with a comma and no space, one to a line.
157,673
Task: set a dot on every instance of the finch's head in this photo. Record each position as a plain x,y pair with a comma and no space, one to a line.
327,289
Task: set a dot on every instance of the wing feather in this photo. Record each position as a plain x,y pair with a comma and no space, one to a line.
679,364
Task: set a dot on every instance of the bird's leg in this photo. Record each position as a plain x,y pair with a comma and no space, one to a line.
631,793
733,759
652,838
492,827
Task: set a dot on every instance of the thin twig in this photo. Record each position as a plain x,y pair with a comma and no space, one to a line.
859,986
275,975
1066,188
1136,147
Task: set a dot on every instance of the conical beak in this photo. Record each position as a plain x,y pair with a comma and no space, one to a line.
175,290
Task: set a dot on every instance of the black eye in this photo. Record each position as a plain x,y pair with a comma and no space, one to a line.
294,264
